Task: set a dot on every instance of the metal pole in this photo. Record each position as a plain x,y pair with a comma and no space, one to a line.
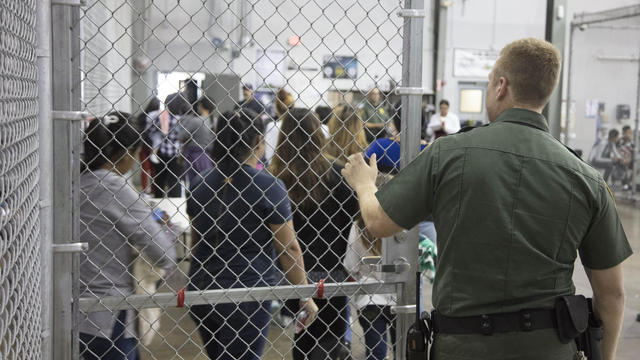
45,152
555,34
567,109
65,79
75,308
442,23
142,83
635,139
406,246
167,300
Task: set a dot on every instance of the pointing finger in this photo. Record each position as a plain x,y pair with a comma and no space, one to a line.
372,161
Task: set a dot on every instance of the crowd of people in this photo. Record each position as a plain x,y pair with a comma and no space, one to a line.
263,197
298,195
615,156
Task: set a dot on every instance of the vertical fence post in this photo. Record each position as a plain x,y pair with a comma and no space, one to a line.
634,177
65,74
46,169
567,109
142,80
411,92
555,34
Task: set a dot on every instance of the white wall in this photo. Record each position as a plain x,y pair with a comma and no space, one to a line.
609,81
487,25
371,30
491,24
182,34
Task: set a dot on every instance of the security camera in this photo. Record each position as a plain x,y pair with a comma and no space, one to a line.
583,27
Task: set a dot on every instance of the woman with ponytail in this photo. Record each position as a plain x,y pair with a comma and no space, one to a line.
241,216
324,208
115,221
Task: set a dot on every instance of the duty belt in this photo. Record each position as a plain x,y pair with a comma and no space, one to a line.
524,320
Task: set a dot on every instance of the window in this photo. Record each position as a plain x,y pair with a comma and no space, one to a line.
471,100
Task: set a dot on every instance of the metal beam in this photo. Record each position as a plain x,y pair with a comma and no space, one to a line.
440,19
405,246
555,34
45,153
587,18
65,80
167,300
636,158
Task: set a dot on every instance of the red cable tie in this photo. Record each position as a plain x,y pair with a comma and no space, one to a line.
180,298
320,289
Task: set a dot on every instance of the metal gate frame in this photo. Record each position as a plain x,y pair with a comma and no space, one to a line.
66,135
581,21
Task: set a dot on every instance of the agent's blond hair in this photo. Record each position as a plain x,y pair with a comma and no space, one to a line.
532,68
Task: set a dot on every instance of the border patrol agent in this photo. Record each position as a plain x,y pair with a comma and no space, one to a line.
512,208
374,115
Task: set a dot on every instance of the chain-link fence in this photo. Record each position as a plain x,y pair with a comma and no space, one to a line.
210,192
604,93
20,301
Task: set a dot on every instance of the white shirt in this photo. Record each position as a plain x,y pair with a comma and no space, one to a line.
451,124
325,131
271,134
356,250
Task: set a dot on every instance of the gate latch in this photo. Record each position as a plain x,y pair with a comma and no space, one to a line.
70,247
69,2
398,266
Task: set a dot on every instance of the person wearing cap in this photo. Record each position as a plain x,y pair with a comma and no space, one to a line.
513,208
249,101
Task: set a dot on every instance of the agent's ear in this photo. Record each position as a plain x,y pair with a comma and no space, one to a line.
501,90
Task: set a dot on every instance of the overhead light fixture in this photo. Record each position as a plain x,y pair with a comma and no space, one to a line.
294,40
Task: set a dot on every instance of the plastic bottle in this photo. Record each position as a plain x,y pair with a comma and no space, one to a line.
300,319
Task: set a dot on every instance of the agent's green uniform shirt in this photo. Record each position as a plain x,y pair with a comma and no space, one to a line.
371,114
512,207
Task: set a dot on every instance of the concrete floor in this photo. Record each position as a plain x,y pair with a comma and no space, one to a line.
178,338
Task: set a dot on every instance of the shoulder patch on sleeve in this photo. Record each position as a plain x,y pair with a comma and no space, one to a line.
610,193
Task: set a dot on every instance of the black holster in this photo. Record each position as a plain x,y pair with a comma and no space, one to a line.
590,341
577,322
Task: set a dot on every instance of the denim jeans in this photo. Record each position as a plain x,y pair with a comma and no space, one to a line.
374,320
116,348
233,332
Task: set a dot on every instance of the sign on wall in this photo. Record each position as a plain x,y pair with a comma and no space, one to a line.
473,63
340,67
270,66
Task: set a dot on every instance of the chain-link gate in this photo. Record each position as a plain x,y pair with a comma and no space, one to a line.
603,93
210,192
20,298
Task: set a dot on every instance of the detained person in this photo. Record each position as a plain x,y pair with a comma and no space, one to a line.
324,209
117,223
443,123
241,216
